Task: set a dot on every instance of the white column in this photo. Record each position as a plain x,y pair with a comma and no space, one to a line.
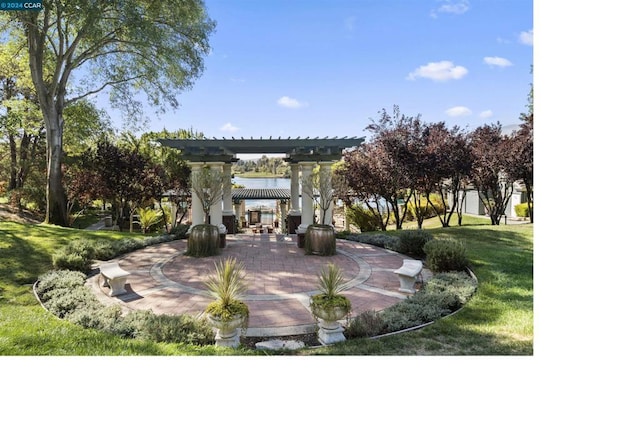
238,209
216,208
307,200
197,213
325,173
227,202
283,215
295,189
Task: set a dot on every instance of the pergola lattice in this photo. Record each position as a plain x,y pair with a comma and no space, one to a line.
301,153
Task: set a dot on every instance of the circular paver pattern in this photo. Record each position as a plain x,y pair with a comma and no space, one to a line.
281,279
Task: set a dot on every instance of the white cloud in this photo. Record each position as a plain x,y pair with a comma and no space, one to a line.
287,102
456,7
497,61
458,111
526,37
486,114
350,24
439,71
228,127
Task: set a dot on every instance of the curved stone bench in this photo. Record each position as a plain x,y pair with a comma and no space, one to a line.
114,277
409,274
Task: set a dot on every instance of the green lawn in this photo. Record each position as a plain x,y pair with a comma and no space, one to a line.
497,321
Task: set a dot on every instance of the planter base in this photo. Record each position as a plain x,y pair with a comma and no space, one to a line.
228,341
227,333
330,332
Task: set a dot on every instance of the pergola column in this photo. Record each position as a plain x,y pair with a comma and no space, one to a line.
283,213
307,200
216,208
294,218
228,218
325,174
295,189
197,213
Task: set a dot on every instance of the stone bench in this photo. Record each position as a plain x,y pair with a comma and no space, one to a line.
409,274
114,277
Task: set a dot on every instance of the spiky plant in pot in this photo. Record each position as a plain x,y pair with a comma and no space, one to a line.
227,312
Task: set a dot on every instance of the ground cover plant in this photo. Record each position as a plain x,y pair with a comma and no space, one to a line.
497,320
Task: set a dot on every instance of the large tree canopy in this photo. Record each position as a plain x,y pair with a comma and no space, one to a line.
123,46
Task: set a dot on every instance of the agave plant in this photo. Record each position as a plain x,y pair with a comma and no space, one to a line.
227,286
331,284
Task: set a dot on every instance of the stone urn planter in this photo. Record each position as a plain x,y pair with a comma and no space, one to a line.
228,330
227,312
330,330
320,239
329,307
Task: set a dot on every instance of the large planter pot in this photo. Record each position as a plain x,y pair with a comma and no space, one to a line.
227,334
320,239
204,240
330,331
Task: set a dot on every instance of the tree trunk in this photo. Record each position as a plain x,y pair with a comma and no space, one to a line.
13,154
56,197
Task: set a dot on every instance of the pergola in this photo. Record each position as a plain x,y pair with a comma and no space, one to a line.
302,153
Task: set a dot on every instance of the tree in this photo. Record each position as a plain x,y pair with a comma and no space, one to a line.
208,184
490,173
124,47
20,119
420,163
392,134
365,180
522,160
318,187
451,169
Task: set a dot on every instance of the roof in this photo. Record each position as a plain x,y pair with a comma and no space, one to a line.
238,194
295,149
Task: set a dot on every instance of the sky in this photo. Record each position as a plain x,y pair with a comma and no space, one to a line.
285,68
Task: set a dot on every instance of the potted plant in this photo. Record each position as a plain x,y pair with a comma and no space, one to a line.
319,239
227,312
329,306
204,241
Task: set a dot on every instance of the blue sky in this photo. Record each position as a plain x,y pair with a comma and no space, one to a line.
325,68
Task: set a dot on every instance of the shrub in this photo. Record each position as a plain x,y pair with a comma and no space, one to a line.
63,301
176,329
362,217
422,307
367,324
127,245
54,279
97,317
446,255
180,231
133,325
438,206
456,282
386,241
411,242
522,210
104,250
76,255
71,261
63,293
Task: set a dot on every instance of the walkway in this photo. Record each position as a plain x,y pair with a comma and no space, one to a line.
281,280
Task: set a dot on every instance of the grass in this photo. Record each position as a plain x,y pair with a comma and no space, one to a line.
499,318
497,321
